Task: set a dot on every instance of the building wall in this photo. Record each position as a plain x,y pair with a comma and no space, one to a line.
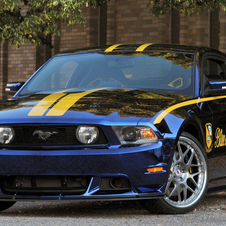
3,66
214,31
131,22
21,62
222,34
195,30
77,36
117,22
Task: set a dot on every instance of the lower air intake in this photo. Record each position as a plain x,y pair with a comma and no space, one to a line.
44,185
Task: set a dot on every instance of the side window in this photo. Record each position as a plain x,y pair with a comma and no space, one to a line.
214,70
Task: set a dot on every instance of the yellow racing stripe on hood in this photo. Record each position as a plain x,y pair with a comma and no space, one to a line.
45,103
66,102
186,103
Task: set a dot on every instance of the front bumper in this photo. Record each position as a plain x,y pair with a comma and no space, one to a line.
98,165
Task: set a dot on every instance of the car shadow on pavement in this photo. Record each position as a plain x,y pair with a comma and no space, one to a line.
101,209
75,208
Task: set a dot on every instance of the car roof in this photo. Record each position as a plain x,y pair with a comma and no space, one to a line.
145,47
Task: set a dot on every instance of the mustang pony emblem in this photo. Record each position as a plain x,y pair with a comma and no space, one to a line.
43,135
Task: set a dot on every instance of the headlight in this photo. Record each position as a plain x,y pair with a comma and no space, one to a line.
87,134
6,135
135,134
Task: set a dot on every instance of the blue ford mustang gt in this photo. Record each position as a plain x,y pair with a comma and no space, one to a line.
122,122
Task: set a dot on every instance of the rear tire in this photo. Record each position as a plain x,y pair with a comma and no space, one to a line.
188,179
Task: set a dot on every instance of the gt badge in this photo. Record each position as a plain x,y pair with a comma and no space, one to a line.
43,135
209,137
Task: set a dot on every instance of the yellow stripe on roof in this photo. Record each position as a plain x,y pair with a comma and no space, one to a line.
186,103
143,47
111,48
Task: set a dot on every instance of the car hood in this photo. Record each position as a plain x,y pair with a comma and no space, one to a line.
102,106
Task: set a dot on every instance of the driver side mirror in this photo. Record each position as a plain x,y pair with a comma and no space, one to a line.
13,87
217,88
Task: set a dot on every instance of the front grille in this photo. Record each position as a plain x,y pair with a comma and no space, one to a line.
44,185
27,136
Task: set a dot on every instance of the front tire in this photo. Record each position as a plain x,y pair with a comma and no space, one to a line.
188,179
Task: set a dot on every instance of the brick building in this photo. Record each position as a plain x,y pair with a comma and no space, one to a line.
116,22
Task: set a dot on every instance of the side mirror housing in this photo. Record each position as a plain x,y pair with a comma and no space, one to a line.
216,88
13,87
216,92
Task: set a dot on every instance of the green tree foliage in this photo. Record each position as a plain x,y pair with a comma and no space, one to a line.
22,20
186,7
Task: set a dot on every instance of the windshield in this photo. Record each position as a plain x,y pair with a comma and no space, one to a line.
152,71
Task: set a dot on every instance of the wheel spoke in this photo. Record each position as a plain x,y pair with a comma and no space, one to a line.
186,152
191,158
168,185
174,158
178,194
194,182
172,192
197,173
195,165
190,189
185,193
179,151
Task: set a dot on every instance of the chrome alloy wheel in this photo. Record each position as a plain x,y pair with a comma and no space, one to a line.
187,181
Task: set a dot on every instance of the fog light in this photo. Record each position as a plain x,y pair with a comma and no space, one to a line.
116,183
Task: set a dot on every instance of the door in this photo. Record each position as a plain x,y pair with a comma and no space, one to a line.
214,86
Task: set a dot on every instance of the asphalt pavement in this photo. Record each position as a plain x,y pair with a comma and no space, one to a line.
212,211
